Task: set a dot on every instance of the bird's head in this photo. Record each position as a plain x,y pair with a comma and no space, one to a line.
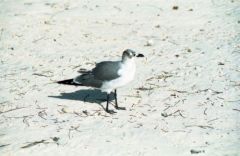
129,54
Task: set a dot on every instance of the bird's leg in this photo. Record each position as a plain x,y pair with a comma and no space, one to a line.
115,96
107,110
107,102
116,102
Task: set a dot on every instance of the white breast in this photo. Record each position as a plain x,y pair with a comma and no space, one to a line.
126,72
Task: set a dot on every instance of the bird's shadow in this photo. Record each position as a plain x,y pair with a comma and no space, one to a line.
86,95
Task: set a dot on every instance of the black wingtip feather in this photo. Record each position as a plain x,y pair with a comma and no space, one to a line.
68,82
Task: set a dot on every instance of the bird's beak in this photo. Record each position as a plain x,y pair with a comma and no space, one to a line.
140,55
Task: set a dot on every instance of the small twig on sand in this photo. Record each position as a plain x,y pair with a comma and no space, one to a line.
35,41
18,117
167,108
144,88
198,91
149,78
179,91
201,126
34,143
74,67
38,74
135,96
212,120
73,128
138,125
98,112
237,110
165,131
164,76
156,127
193,151
42,113
208,89
172,105
38,107
173,114
26,121
4,145
85,112
156,86
12,110
78,114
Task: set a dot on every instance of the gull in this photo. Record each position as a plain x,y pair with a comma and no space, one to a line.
108,76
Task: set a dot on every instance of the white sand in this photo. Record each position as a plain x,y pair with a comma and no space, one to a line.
185,97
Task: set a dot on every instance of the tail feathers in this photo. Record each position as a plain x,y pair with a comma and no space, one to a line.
69,82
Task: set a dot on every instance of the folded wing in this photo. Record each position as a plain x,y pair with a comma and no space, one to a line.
107,70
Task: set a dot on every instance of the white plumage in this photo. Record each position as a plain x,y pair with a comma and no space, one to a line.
126,72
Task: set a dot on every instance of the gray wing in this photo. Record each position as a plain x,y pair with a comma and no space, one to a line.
88,80
107,70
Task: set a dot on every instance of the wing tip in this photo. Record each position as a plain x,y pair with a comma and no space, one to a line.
68,82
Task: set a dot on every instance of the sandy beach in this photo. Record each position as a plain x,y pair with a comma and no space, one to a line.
185,99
